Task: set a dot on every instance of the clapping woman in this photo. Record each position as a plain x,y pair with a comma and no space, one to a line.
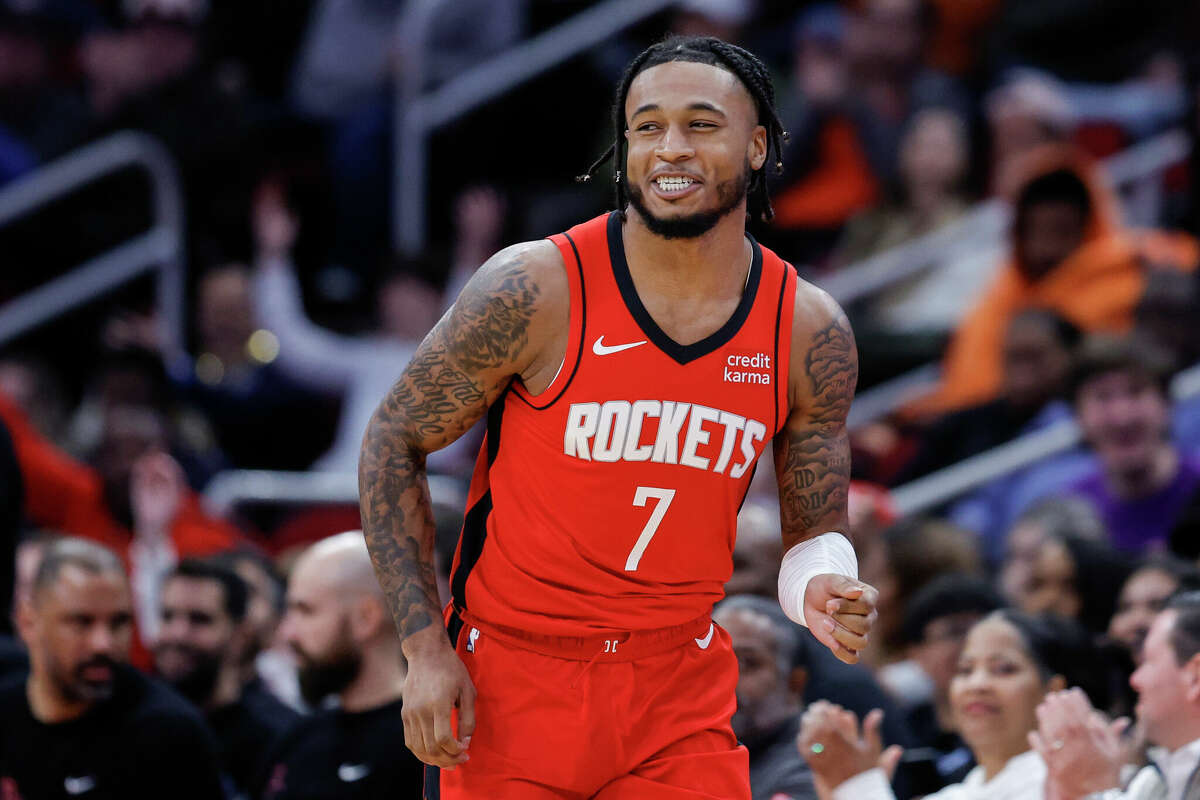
1008,664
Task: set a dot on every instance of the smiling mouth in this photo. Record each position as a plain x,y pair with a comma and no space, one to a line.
670,185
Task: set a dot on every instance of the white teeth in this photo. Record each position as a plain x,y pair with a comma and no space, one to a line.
667,184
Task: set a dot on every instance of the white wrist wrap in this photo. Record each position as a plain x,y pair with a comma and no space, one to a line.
829,553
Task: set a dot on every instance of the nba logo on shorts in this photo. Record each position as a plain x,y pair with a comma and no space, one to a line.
471,640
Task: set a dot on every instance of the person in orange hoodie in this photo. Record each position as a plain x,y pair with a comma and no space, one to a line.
1071,256
133,498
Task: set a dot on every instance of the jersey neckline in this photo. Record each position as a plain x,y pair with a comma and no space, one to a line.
682,353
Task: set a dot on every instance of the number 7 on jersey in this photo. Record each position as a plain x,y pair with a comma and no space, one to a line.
644,493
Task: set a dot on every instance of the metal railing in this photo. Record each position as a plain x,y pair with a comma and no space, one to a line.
946,484
160,248
232,488
418,116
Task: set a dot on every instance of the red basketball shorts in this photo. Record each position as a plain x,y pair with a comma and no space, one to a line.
643,716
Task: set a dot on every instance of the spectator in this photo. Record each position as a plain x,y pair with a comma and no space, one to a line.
1027,111
833,159
757,551
929,192
134,499
1069,255
198,652
1037,360
12,505
1143,483
1144,594
1085,754
253,406
918,550
84,720
267,666
1075,578
340,629
935,628
1055,518
1168,314
362,369
770,685
1009,663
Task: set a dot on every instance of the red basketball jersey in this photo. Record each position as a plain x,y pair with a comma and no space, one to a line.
609,501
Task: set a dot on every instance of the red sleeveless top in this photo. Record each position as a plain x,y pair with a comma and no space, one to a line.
609,501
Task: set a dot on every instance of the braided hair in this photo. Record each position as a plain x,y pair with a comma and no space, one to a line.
748,69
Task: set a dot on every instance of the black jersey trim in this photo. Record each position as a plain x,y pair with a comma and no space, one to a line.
682,353
582,335
778,323
474,530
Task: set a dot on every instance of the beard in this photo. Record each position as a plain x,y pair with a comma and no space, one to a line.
321,677
730,195
199,681
75,687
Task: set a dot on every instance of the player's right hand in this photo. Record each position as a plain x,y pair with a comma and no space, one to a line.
437,683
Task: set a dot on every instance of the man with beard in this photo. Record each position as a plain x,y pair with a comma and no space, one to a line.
198,652
633,370
337,624
84,722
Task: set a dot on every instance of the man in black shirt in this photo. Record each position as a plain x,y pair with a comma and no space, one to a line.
338,624
199,652
84,724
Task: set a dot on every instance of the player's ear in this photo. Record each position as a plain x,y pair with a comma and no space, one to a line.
756,152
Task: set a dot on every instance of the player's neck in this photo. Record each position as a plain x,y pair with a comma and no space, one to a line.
689,267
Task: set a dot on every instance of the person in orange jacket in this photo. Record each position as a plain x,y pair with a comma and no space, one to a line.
1071,255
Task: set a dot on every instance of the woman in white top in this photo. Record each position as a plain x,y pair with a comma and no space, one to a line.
1008,664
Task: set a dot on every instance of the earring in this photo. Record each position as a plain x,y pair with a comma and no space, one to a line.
617,177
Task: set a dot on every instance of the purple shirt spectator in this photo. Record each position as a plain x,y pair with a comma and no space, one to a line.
1140,524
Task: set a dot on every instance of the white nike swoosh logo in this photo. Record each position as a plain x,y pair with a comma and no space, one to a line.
601,349
79,785
353,772
707,640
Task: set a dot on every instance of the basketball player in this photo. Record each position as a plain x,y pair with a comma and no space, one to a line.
632,370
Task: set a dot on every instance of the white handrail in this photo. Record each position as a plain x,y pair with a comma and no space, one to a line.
417,118
160,248
231,488
931,491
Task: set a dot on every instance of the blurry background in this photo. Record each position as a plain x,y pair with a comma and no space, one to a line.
225,225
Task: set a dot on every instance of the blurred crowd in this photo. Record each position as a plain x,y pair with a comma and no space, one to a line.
155,640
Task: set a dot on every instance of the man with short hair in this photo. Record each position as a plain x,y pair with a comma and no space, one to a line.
1119,390
770,685
338,625
198,652
1084,754
84,722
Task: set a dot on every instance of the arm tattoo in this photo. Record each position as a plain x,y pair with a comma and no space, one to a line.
455,373
813,458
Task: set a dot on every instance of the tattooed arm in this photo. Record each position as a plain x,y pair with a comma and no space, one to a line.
509,322
812,465
812,452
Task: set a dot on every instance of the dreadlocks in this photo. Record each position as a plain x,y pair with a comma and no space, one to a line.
703,50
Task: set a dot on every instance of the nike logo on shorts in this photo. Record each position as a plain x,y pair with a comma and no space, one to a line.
707,640
601,349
